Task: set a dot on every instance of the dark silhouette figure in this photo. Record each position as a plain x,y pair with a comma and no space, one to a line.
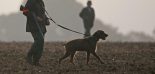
88,16
87,44
36,25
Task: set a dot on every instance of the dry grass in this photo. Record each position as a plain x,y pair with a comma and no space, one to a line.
119,58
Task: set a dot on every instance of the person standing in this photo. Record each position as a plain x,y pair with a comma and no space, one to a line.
36,25
88,16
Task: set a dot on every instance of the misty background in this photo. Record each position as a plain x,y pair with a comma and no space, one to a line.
66,13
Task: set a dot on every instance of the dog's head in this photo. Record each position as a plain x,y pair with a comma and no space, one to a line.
100,34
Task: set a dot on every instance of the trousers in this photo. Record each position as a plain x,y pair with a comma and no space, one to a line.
87,26
36,50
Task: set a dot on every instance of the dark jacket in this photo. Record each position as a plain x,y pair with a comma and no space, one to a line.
38,9
87,14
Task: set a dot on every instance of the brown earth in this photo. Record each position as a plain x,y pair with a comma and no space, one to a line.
119,58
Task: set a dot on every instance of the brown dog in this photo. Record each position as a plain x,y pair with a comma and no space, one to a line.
87,44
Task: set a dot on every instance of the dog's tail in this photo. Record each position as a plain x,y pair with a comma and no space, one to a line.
67,47
64,45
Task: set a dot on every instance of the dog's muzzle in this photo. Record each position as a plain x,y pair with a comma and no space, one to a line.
106,35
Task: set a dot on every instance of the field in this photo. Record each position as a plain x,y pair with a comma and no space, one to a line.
119,58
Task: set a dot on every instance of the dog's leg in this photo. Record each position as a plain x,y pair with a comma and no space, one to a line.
97,57
65,56
88,54
71,58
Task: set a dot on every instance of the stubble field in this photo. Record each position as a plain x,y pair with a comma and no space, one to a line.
118,58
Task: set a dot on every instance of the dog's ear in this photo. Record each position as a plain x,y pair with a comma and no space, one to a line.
97,33
100,34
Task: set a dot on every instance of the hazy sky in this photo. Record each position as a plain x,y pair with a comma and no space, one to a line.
126,15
